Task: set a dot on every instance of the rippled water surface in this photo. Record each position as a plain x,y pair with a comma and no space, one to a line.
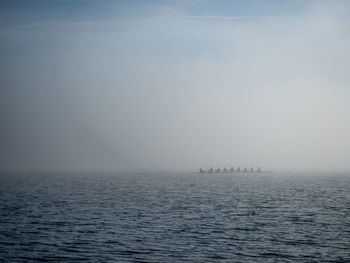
175,218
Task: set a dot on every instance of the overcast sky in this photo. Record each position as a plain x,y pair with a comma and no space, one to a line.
174,85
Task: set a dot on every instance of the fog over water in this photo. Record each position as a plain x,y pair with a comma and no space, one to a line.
174,85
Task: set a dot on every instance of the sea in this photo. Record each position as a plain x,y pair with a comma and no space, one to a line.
175,217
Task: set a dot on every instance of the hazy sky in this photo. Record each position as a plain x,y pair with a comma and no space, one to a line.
174,85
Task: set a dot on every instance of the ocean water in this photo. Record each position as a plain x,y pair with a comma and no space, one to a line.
175,218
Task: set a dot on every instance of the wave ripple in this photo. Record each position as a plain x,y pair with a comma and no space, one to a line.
174,218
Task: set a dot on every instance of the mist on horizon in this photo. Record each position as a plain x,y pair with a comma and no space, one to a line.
175,85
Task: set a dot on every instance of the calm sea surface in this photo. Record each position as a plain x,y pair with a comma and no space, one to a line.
175,218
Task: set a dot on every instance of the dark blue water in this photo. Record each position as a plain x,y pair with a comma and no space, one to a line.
175,218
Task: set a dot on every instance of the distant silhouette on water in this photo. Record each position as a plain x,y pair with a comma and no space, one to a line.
225,170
